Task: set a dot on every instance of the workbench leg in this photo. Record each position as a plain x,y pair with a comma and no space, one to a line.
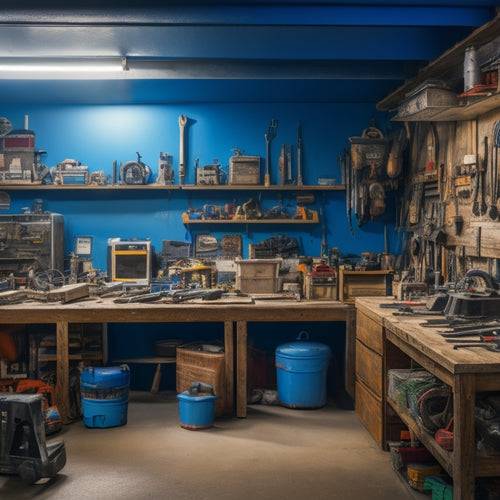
229,363
350,353
241,369
464,446
155,386
62,372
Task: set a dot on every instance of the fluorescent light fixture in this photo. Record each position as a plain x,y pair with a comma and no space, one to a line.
63,65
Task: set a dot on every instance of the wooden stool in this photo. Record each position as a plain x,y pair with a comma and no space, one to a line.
159,361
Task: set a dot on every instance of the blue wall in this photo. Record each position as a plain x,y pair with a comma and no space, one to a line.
98,135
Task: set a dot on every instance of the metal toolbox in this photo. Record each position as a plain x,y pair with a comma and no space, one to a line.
244,170
17,157
31,240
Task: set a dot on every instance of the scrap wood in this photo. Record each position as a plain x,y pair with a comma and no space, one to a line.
12,297
68,293
275,296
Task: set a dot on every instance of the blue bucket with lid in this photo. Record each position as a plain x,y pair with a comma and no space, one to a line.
104,392
301,370
197,407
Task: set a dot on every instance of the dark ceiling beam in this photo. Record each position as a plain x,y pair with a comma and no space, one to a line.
470,14
174,91
231,42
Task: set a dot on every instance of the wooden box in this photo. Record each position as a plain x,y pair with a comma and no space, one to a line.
320,289
195,365
427,101
363,284
257,275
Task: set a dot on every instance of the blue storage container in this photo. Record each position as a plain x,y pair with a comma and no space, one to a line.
301,369
197,407
104,392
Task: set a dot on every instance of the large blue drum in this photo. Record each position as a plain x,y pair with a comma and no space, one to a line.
301,369
104,392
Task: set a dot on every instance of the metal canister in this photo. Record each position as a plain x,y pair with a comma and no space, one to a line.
301,369
472,71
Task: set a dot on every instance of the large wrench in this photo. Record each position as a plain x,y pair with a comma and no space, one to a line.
182,159
271,134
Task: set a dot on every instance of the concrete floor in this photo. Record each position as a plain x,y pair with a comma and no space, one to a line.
275,453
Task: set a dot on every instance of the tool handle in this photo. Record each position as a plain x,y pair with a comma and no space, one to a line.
299,157
182,162
282,165
267,176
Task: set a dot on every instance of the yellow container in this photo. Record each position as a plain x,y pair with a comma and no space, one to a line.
417,472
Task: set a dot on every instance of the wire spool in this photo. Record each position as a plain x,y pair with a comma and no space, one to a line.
435,408
47,280
133,172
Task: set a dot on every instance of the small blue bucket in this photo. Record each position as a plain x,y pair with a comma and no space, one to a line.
197,407
301,369
104,393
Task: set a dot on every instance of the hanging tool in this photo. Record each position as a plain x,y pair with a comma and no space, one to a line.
288,157
479,206
324,244
494,174
182,159
299,156
271,134
344,162
284,163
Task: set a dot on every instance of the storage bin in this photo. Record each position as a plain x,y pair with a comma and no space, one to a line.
418,472
195,362
301,370
258,275
197,407
166,347
104,393
440,487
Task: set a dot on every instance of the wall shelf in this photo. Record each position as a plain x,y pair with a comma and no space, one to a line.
469,109
188,221
258,187
173,187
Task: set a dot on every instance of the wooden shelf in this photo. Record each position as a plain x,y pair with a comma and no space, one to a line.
97,356
162,360
170,187
444,457
186,220
258,187
86,187
470,108
446,64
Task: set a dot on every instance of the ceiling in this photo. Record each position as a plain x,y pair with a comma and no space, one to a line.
232,51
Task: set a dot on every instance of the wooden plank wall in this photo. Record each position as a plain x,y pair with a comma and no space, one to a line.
450,196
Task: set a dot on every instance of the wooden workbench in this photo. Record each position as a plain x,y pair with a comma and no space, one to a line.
234,317
466,371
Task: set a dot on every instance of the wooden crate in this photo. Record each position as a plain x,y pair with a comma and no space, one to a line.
363,284
198,366
257,275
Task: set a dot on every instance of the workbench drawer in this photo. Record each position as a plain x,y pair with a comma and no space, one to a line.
370,332
369,410
369,368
